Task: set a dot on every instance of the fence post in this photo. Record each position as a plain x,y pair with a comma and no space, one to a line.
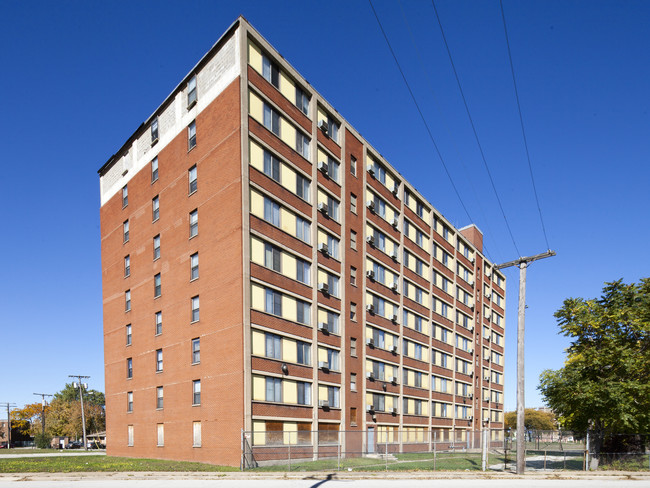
290,453
545,460
241,462
587,453
386,450
338,453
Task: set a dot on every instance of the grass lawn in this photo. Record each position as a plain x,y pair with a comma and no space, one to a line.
404,462
71,464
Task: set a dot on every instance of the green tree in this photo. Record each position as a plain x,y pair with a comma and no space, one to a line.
604,386
64,418
533,420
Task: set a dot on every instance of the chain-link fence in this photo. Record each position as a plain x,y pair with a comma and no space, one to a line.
389,448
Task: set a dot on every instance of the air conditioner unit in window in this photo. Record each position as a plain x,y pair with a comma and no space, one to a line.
371,169
486,378
370,375
393,349
470,417
370,342
323,365
370,240
322,167
488,338
322,207
471,373
471,328
371,205
471,282
488,359
322,326
393,380
488,274
472,260
322,247
322,125
394,286
396,189
394,255
370,308
370,408
395,222
394,410
471,395
324,287
393,319
488,295
470,350
323,403
370,274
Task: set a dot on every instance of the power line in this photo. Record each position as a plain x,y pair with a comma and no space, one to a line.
521,120
471,121
444,122
426,125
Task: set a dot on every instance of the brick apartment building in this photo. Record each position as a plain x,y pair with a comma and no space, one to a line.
265,269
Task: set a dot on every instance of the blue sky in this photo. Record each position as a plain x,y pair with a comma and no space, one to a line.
80,77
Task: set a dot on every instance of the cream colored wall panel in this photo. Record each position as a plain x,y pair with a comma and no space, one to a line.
287,133
288,178
287,87
259,348
256,155
289,391
287,221
257,251
289,267
257,297
290,350
259,435
259,388
255,57
289,311
256,107
257,204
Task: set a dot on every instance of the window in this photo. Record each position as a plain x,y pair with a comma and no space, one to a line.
194,223
333,246
161,435
353,165
196,434
353,276
353,347
302,187
154,131
271,71
194,266
129,401
191,135
302,101
159,397
353,381
333,360
156,247
129,435
378,337
155,209
271,212
196,350
129,368
333,169
125,196
303,271
127,266
333,208
302,144
272,166
304,353
158,323
157,286
353,312
353,240
159,360
196,392
332,321
272,346
273,390
273,302
154,169
302,312
195,309
332,128
128,335
127,300
191,92
125,230
272,119
333,396
303,230
353,203
273,257
192,179
304,393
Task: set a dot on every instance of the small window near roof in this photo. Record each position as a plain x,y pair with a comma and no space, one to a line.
191,92
154,131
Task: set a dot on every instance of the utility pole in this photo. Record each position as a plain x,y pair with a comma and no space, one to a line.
81,396
43,395
522,263
8,405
